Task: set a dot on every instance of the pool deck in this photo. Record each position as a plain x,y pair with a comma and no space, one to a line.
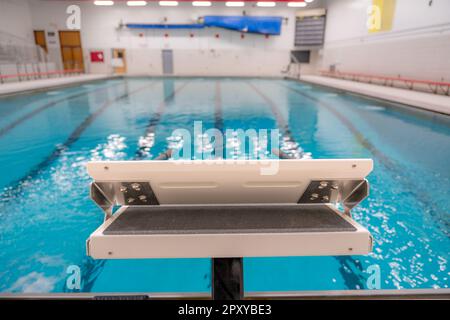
422,100
43,84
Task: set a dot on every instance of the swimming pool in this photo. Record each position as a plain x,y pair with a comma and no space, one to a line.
46,214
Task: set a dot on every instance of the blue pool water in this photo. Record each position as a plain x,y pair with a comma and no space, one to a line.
46,215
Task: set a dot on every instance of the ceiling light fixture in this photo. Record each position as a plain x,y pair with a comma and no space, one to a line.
235,4
168,3
201,3
136,3
103,3
297,4
266,4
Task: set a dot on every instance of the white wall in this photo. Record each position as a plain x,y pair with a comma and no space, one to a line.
17,39
204,54
15,20
418,45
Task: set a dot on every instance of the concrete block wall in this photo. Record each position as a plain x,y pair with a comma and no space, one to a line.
424,58
418,46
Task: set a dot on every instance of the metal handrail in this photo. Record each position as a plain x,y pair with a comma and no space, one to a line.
288,68
33,74
434,86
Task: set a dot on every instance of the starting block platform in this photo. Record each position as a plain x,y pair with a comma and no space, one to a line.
225,209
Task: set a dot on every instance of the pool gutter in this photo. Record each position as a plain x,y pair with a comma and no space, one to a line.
415,294
415,99
43,85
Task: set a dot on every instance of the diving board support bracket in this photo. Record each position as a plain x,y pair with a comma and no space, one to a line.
355,196
349,193
108,194
97,193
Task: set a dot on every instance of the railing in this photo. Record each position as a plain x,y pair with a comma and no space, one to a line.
293,69
436,87
21,59
39,75
14,49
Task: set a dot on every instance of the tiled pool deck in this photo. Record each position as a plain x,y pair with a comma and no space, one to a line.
422,100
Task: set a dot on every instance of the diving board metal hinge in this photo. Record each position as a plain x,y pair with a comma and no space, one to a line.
109,194
349,193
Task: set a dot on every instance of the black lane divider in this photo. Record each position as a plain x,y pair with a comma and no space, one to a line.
421,195
275,111
281,122
218,112
141,152
219,143
352,280
412,187
74,136
346,122
46,106
387,162
91,269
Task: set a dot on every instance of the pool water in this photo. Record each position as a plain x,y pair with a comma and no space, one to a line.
46,215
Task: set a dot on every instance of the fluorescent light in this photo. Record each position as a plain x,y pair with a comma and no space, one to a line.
136,3
266,4
309,1
234,4
201,3
297,4
103,3
168,3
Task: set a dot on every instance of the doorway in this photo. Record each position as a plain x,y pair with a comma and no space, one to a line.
119,61
71,51
39,39
167,61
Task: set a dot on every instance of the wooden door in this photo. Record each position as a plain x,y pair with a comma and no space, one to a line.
39,39
71,50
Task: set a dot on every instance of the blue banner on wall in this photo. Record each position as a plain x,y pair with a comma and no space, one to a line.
260,25
164,26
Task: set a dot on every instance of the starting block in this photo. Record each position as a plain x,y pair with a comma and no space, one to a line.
205,209
227,210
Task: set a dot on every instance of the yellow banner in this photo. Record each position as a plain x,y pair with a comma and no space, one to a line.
381,15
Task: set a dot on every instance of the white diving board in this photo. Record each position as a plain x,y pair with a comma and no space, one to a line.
211,209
